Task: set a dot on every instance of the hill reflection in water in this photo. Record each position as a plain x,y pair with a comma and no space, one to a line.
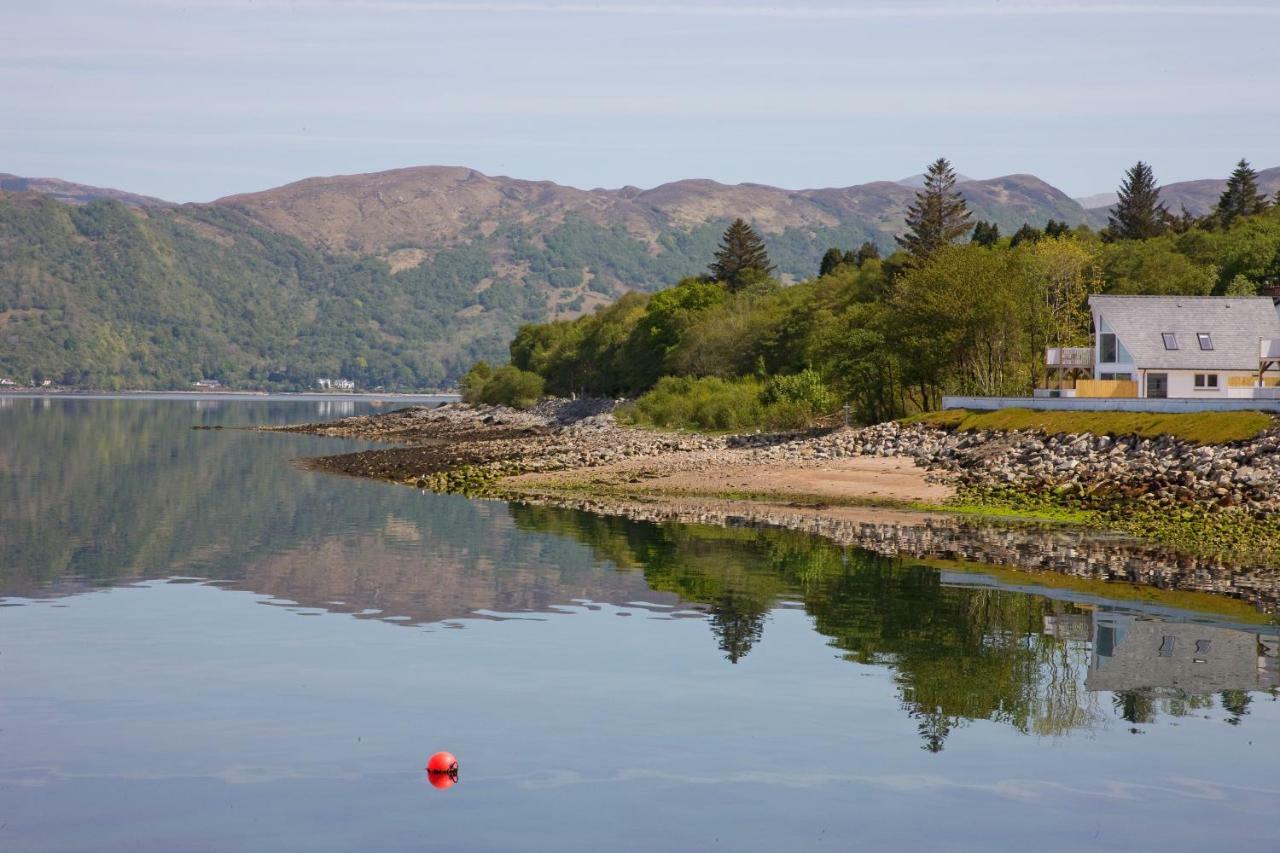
115,492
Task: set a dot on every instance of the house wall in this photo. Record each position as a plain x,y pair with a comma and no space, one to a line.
1182,383
1086,404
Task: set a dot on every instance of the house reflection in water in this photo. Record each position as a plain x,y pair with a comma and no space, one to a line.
1134,653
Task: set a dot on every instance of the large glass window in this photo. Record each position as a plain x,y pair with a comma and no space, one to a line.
1206,381
1107,348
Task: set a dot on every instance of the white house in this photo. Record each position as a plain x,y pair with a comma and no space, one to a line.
1186,347
336,384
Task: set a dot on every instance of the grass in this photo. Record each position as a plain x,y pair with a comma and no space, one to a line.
1196,427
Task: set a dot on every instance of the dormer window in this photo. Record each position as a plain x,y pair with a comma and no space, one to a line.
1170,340
1206,341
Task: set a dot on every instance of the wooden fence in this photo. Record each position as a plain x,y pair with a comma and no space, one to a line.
1250,381
1106,388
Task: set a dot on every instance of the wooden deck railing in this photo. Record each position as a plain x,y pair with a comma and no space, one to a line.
1068,357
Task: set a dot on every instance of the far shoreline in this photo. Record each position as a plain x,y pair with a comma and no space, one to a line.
237,396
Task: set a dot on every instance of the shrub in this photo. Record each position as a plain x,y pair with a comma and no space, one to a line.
506,386
804,389
724,405
709,403
473,382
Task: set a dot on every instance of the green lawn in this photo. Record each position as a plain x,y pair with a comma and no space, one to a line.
1198,427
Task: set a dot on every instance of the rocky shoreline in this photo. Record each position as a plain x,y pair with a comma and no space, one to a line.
572,453
568,435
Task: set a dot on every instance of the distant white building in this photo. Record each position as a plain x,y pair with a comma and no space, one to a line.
336,384
206,384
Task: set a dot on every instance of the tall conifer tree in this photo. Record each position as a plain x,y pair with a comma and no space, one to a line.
1240,197
939,214
741,256
1139,214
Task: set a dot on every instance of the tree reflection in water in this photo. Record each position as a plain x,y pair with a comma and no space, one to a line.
109,492
959,653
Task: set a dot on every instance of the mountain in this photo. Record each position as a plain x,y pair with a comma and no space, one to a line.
66,191
396,279
406,214
103,295
1097,200
1199,197
917,181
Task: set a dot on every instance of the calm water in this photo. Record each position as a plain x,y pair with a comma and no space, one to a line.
204,647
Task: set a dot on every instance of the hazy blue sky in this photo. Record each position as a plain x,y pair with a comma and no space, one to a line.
194,99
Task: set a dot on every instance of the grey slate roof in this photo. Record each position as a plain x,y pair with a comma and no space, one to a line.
1236,324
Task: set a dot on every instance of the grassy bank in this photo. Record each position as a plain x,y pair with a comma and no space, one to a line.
1196,427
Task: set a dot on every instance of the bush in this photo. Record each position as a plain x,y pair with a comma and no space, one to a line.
709,403
506,386
473,382
720,405
804,389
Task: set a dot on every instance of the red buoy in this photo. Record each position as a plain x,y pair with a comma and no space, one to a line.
443,780
442,763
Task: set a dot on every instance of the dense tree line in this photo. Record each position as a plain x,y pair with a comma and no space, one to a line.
892,335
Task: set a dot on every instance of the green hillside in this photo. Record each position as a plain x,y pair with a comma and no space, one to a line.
105,296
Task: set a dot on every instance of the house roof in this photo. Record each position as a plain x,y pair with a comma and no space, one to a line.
1236,324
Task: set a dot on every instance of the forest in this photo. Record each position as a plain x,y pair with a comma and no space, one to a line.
958,308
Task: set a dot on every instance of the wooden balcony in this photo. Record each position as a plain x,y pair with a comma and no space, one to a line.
1069,357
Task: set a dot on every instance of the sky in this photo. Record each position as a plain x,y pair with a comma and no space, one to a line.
191,100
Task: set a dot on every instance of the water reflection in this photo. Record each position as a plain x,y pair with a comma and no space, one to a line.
101,493
326,409
961,651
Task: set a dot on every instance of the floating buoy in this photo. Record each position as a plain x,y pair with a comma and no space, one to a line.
443,780
442,763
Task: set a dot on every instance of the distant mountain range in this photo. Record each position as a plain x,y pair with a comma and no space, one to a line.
407,214
70,193
400,278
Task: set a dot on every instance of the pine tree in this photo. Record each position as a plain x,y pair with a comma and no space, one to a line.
1028,233
1054,228
1139,214
939,214
1240,197
741,256
985,233
868,251
832,259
